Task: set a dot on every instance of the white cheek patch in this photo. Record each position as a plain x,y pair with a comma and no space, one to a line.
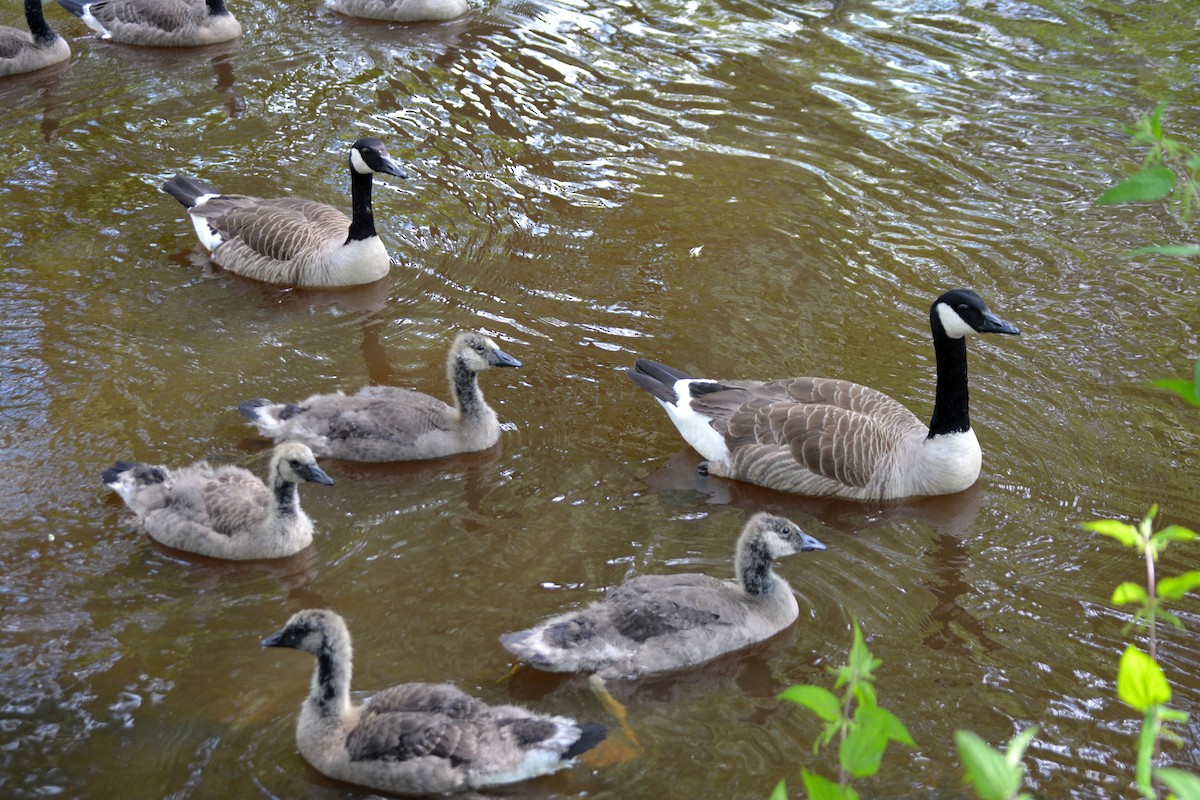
952,323
357,162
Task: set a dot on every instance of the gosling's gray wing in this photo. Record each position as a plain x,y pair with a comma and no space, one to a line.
414,721
833,428
400,736
659,605
280,229
396,416
14,42
440,698
228,499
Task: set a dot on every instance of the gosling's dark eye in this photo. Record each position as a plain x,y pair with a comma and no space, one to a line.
479,348
294,464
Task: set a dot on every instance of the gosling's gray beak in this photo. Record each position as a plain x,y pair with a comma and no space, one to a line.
274,640
808,543
503,359
314,474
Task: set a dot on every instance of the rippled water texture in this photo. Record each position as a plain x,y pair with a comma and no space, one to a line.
741,189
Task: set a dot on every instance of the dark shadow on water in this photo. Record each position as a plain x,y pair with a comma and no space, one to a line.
949,514
43,83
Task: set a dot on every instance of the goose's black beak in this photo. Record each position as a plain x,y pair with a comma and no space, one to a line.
993,324
388,165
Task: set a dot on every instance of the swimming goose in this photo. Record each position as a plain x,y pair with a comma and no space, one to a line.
385,423
827,437
223,512
417,738
158,23
400,10
655,623
291,241
40,47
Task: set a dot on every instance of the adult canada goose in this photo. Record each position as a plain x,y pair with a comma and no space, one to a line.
417,738
384,423
223,512
655,623
820,436
158,23
40,47
291,241
400,10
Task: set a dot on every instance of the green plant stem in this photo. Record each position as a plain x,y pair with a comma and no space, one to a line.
1153,591
843,778
1148,751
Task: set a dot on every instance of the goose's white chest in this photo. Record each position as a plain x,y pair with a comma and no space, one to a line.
947,463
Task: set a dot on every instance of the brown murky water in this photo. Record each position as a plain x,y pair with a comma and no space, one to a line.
742,189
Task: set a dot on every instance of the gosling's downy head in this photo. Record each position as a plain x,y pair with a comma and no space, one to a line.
313,630
295,463
779,537
478,352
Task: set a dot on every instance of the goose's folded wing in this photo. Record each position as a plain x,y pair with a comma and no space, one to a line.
163,16
837,429
281,228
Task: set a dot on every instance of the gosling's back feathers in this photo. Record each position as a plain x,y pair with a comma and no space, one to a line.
26,51
158,23
822,436
222,512
291,241
384,423
655,623
417,738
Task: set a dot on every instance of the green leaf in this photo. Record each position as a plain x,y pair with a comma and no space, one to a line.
819,788
1140,681
862,751
1017,746
1148,184
861,660
1182,250
1129,592
816,699
987,768
1176,587
1185,785
895,729
1124,533
1156,119
1167,616
780,792
1174,533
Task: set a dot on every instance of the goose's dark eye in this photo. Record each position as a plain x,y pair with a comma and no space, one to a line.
962,306
294,464
478,348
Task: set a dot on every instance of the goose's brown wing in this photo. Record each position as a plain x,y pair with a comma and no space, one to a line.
834,428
